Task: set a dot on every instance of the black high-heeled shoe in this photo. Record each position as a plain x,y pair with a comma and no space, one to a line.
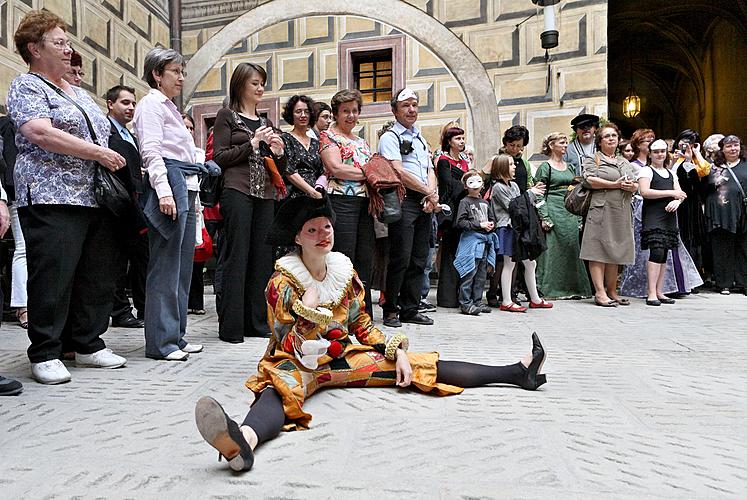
223,434
532,380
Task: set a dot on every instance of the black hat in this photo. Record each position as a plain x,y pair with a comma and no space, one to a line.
585,119
293,214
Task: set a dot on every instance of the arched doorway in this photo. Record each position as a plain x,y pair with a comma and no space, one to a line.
468,71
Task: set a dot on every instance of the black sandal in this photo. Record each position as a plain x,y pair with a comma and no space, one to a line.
223,434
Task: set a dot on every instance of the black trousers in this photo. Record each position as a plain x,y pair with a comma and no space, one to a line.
408,253
729,258
447,294
131,264
354,236
70,253
197,287
246,266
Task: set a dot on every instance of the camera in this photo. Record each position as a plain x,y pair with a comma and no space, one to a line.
684,146
405,147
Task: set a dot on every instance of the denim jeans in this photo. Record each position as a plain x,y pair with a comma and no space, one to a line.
472,285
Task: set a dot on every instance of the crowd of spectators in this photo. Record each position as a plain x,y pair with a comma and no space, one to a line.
672,213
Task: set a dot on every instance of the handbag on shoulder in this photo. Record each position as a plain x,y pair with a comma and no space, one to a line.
108,190
578,198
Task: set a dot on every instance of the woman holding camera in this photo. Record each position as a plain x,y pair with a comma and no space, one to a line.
245,144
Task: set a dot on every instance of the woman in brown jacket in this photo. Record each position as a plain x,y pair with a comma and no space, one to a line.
608,229
242,142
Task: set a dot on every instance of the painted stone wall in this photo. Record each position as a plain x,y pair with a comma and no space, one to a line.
301,57
112,37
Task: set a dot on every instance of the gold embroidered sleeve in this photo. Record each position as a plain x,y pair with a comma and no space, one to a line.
399,341
320,316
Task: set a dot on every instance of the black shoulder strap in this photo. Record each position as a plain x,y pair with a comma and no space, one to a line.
739,184
63,94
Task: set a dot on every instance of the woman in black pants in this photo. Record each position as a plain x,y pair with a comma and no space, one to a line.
662,197
726,214
344,155
314,300
243,143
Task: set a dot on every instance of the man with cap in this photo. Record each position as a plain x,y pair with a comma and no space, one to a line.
585,126
407,149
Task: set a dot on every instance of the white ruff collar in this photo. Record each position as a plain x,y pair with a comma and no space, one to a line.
332,289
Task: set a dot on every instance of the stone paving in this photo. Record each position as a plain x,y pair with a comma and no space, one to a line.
641,402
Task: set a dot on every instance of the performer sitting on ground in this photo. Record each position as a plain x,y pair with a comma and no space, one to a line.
315,305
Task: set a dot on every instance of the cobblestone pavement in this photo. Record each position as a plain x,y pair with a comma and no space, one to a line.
641,402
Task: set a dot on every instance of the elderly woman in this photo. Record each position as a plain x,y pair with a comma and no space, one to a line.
304,165
560,273
169,155
69,238
608,230
344,155
315,302
726,214
250,153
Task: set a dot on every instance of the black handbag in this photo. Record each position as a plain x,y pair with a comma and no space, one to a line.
392,211
108,190
210,189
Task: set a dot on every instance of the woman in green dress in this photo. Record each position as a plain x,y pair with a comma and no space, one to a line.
560,272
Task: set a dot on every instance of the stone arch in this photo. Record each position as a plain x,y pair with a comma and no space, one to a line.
468,71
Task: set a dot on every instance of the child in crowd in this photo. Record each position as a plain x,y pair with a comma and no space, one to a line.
476,250
504,190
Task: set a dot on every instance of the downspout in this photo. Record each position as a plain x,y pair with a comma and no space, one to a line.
175,34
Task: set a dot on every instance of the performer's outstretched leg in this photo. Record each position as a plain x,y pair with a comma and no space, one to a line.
236,444
525,374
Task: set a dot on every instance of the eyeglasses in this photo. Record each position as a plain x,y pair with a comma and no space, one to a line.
609,136
78,73
177,72
60,43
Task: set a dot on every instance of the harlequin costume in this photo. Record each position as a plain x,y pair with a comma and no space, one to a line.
340,317
312,348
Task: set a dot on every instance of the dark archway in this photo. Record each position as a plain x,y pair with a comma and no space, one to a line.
688,64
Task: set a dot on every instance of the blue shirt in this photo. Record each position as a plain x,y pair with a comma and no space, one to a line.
418,161
123,132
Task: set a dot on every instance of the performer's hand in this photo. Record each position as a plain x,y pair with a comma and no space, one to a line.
311,298
404,370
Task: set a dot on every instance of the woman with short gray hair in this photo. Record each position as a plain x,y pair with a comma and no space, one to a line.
169,156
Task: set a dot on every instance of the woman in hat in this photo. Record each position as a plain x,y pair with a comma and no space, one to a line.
315,305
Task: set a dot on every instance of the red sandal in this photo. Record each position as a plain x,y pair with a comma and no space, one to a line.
543,304
513,307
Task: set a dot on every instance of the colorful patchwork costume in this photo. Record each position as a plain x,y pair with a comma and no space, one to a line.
312,348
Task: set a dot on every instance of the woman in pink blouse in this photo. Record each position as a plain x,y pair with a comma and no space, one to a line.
168,152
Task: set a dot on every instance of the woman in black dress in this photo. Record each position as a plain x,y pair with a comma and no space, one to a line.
304,165
661,197
450,168
726,214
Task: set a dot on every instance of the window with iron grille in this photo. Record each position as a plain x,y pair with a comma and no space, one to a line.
372,75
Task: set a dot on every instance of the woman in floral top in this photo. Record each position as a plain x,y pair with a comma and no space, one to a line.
69,239
345,155
322,337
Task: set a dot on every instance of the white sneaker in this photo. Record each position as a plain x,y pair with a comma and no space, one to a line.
104,358
50,372
176,356
192,348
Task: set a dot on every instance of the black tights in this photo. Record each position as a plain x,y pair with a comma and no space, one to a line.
266,417
658,255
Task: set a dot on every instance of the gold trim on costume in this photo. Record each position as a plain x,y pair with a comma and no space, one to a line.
399,341
318,316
